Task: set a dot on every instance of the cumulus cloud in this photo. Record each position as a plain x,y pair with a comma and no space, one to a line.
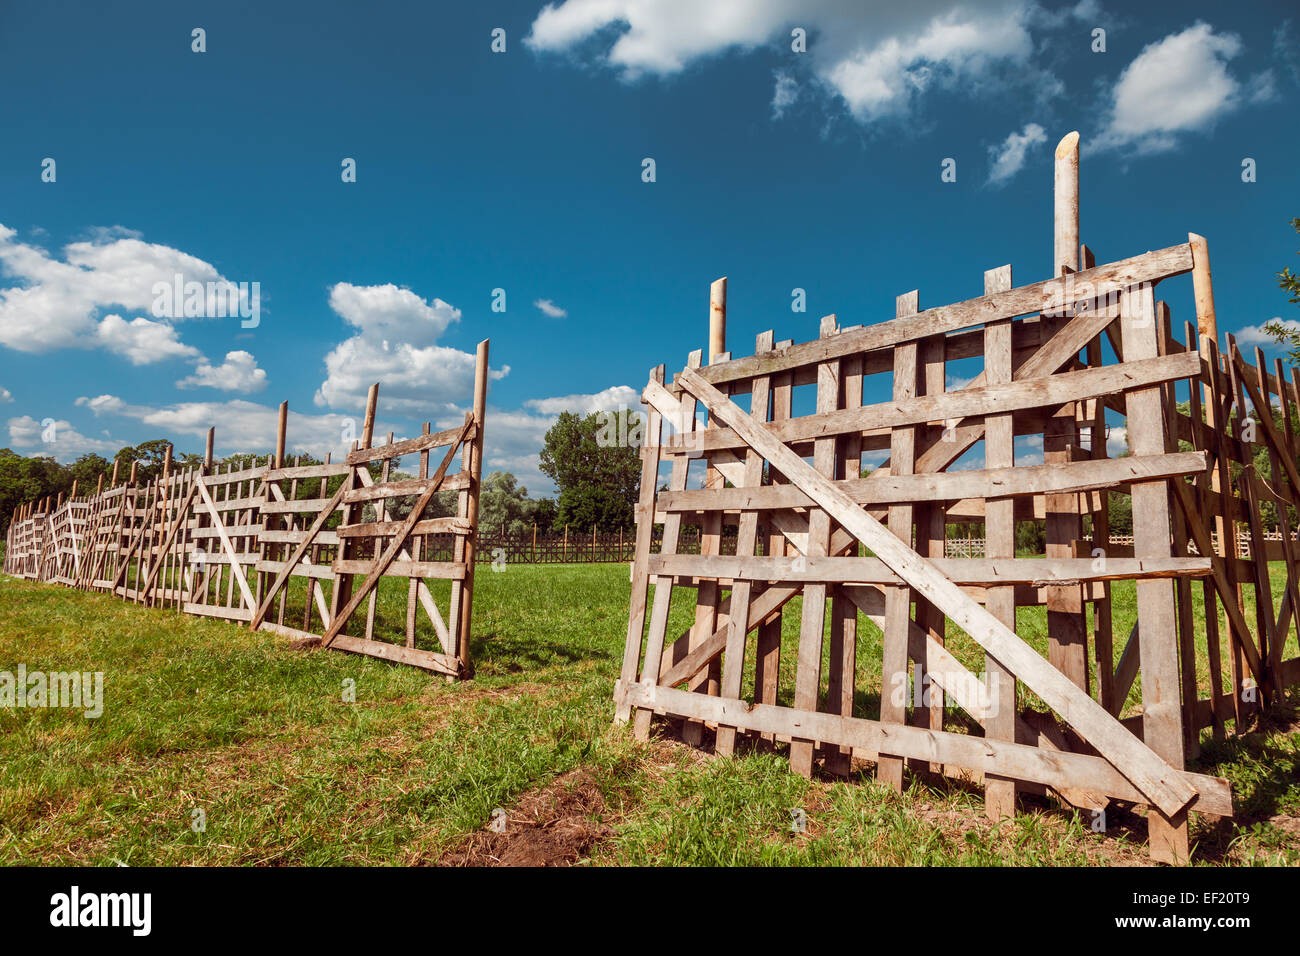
784,93
396,344
876,58
609,400
142,341
5,396
1008,158
1177,85
57,303
238,373
242,426
1255,334
56,438
550,309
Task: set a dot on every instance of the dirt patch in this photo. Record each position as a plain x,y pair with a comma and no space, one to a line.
556,825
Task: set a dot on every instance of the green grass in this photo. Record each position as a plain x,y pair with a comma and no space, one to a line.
203,715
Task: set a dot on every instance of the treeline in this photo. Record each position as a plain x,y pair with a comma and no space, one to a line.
596,483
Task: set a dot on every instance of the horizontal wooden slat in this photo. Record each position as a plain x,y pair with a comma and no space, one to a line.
990,572
1056,769
307,471
404,569
950,486
216,610
451,525
300,570
416,657
296,537
409,486
966,402
403,448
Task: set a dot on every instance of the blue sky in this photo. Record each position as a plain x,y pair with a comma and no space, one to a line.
522,171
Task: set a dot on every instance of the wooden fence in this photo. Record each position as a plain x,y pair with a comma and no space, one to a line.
1062,358
285,547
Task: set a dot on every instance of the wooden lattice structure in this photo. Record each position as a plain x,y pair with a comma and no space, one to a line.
296,549
1109,709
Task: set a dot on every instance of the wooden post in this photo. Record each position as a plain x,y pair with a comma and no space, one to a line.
717,318
474,449
1066,219
207,456
280,434
898,600
1158,648
113,482
709,679
1066,627
999,542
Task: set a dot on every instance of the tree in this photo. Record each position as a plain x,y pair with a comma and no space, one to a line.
502,503
88,469
597,483
1288,333
148,455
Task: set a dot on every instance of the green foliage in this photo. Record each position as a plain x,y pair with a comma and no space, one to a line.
597,481
504,503
27,479
1288,333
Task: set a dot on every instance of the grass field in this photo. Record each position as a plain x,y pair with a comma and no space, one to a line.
206,722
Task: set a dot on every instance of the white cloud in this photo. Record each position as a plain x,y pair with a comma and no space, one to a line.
5,395
396,346
66,442
102,404
1177,85
1255,334
1009,157
238,373
611,399
550,309
56,303
242,426
784,93
1117,441
878,58
142,340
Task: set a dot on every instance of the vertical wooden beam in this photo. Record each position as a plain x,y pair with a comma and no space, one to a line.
812,625
931,538
767,663
654,642
1065,250
738,624
1166,344
474,449
841,684
1161,723
999,542
709,679
894,689
645,522
1067,633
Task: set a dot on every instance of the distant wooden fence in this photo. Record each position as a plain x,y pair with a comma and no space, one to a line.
1059,357
285,547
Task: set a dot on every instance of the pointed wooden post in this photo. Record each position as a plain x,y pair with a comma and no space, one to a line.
1066,627
474,465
